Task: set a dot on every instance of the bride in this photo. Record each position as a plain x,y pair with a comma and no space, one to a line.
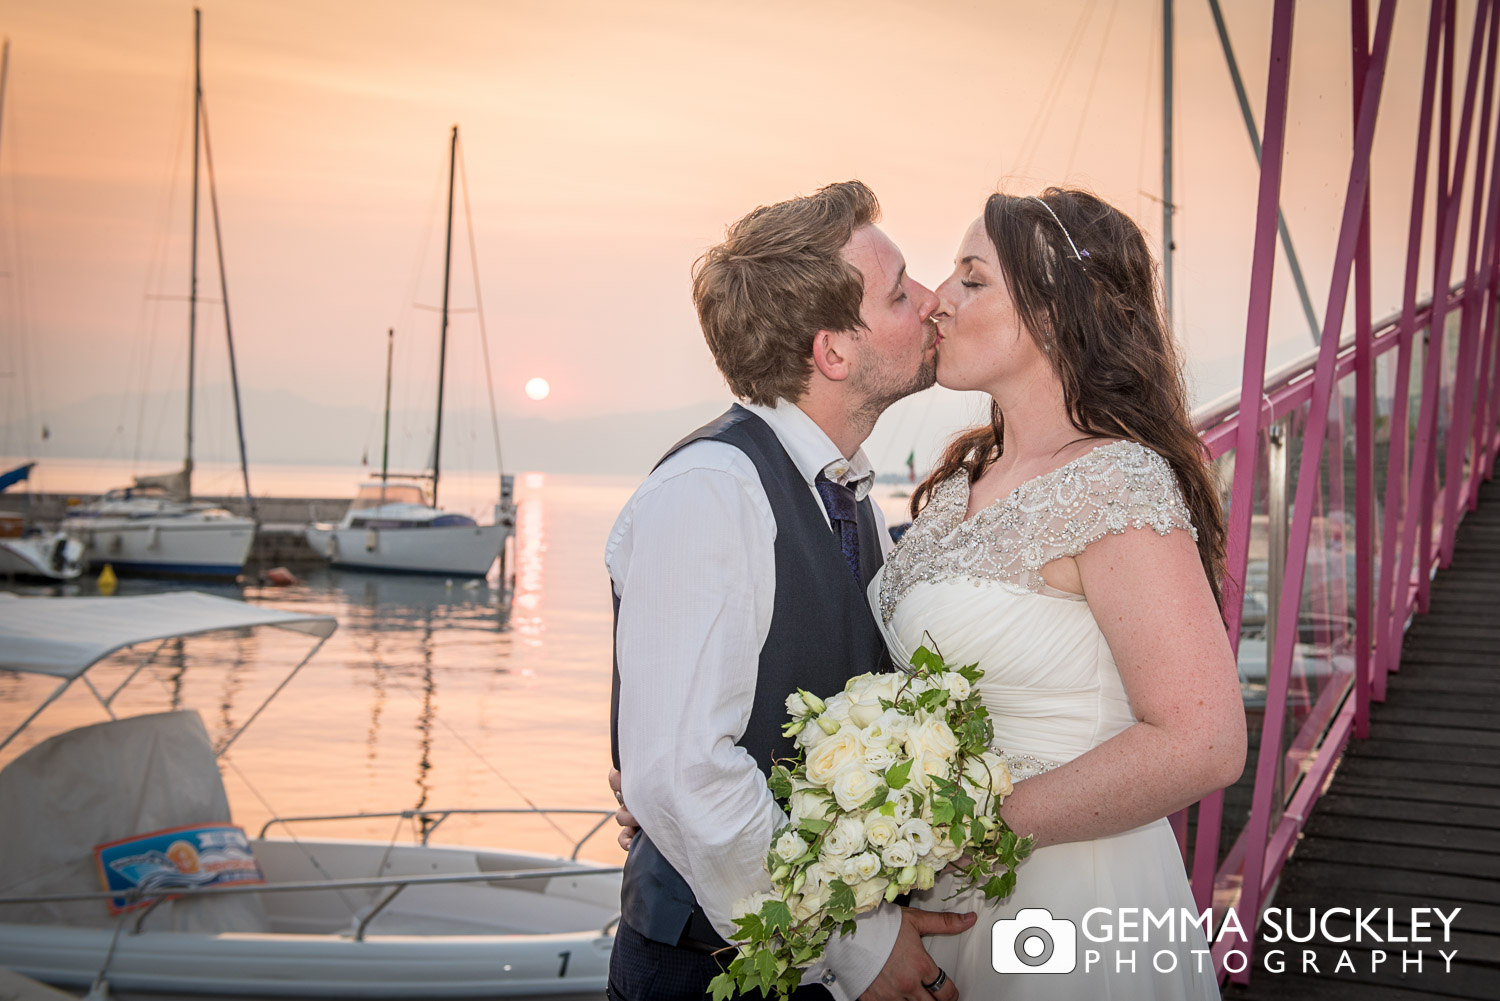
1072,548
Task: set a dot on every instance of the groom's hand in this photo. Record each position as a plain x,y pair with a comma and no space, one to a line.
909,966
628,827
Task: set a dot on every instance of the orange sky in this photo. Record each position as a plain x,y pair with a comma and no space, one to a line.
607,144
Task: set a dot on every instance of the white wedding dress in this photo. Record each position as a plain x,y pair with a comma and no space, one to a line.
973,591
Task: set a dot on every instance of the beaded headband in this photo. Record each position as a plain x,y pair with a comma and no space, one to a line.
1078,255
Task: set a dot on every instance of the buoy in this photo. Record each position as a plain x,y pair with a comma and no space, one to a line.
107,580
281,577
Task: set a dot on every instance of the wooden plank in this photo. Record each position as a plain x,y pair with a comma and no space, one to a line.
1439,860
1424,753
1406,834
1419,791
1370,765
1427,696
1459,980
1440,735
1287,987
1446,814
1405,712
1328,884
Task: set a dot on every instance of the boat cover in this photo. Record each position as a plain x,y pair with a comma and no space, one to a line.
104,783
64,637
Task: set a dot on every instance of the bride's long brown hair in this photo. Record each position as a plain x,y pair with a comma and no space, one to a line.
1099,318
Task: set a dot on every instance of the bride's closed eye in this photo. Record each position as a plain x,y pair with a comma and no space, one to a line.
966,283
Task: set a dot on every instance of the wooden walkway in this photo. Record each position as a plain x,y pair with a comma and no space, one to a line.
1412,818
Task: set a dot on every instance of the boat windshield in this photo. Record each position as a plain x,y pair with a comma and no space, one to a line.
375,494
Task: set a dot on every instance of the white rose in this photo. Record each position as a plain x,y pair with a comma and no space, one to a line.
880,830
899,854
796,705
810,903
865,694
790,847
934,738
869,893
879,758
944,850
919,833
818,876
866,865
751,904
1000,782
831,756
956,684
845,838
837,709
926,765
808,803
854,785
901,800
887,728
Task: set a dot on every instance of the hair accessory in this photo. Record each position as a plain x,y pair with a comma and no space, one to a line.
1078,255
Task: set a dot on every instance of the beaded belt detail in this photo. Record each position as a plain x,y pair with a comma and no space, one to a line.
1025,766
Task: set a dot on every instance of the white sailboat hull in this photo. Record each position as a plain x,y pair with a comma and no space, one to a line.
456,550
175,545
536,938
53,557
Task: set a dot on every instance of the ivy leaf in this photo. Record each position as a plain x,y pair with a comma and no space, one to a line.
750,926
765,965
876,798
780,782
775,916
814,826
971,673
722,987
841,899
942,809
897,775
925,659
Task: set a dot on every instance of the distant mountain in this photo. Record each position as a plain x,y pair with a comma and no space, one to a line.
283,427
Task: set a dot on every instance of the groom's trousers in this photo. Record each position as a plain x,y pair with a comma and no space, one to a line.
643,970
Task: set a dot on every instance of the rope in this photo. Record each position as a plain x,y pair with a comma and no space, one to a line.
484,337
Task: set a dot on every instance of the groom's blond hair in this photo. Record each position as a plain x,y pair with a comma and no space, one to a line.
777,279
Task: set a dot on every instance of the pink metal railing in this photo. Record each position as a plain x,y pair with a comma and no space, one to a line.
1315,648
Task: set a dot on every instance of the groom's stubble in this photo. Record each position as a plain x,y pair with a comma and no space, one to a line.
881,383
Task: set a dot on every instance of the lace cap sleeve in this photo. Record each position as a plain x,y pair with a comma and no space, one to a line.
1115,487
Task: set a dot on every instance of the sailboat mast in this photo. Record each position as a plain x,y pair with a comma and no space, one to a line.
187,462
1167,206
385,444
4,74
437,442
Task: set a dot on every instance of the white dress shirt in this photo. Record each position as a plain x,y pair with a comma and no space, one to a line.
692,558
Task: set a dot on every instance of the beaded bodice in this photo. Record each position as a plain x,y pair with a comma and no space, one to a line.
1114,487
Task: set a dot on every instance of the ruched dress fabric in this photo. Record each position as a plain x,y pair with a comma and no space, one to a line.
973,590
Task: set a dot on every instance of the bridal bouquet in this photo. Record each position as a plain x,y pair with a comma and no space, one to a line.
894,779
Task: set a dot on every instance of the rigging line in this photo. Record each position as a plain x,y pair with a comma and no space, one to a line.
155,273
404,311
234,379
1037,116
1254,132
484,337
395,679
1055,88
1088,98
1140,174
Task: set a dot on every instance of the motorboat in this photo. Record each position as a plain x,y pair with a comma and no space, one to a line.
123,871
28,551
397,526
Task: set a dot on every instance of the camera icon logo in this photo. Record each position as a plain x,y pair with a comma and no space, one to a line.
1034,942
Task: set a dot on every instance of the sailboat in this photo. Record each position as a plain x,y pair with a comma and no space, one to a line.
154,525
398,526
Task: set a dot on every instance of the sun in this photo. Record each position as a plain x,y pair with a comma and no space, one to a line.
538,388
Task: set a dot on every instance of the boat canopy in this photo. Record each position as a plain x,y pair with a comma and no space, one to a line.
64,637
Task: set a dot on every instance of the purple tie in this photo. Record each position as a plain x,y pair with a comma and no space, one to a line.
839,501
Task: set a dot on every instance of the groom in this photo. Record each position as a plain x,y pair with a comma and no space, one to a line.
739,570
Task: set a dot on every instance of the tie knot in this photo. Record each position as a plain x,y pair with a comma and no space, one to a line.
837,499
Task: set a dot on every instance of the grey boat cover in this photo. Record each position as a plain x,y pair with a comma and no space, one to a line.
103,783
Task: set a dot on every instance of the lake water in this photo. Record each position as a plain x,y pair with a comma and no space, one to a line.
429,694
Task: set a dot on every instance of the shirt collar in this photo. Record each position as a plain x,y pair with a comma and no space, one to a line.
812,451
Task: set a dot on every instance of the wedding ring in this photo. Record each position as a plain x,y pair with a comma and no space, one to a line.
937,984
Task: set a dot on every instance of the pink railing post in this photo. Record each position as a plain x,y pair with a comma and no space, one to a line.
1397,497
1257,331
1259,868
1364,406
1473,309
1416,552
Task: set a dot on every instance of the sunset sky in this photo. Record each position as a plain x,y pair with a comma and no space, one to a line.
606,144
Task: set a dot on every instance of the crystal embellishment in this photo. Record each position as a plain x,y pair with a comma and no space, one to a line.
1116,486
